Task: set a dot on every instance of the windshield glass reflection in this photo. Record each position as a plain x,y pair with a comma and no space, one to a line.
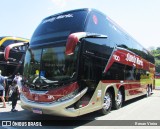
49,65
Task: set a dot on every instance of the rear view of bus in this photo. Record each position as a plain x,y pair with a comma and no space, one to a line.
67,66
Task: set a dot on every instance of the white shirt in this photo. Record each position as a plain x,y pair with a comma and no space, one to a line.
18,79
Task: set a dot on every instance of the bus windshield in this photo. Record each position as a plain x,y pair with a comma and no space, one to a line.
49,66
58,26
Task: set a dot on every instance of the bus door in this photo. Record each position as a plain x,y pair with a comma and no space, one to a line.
91,68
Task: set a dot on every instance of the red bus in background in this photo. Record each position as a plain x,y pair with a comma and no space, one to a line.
80,61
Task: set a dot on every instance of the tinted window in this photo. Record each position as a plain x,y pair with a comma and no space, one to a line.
97,23
116,36
151,58
130,73
59,26
91,70
115,72
143,74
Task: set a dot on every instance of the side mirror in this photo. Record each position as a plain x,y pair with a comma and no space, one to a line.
9,47
74,38
72,42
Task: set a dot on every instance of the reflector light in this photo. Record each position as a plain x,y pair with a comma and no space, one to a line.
95,20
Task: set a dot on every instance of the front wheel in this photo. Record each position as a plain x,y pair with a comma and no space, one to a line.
107,104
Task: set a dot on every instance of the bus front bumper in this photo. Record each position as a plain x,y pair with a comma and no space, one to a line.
59,108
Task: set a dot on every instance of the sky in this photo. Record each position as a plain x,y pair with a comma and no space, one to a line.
140,18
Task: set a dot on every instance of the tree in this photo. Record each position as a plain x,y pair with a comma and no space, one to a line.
158,49
151,48
156,54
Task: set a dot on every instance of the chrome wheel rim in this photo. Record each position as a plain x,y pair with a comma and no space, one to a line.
148,91
107,102
119,98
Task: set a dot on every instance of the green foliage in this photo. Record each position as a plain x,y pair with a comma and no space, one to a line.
156,54
157,82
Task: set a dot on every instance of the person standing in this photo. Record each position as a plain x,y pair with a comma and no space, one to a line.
2,89
18,79
14,95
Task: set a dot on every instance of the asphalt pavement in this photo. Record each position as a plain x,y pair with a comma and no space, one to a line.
135,110
9,107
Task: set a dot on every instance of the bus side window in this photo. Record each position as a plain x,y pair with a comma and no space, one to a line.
130,73
138,74
98,23
92,69
115,72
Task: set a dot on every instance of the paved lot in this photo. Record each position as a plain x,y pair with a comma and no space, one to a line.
9,107
133,111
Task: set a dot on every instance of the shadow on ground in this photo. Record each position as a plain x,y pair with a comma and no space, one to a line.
50,120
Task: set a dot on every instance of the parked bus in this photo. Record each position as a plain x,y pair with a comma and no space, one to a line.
13,65
80,61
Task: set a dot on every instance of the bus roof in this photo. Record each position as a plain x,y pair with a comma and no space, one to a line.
5,38
110,20
75,10
13,37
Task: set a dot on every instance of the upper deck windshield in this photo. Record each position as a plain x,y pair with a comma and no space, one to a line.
58,27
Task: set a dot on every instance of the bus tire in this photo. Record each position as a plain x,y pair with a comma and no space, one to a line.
107,104
119,100
148,91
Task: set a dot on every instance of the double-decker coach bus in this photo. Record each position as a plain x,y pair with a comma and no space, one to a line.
80,61
14,63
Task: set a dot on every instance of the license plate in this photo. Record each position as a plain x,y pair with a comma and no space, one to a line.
37,110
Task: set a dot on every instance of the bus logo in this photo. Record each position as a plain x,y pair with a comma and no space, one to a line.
50,97
134,59
117,58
